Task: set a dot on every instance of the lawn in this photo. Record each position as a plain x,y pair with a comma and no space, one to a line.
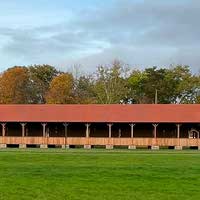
99,174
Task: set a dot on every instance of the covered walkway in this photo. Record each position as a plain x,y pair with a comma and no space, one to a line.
153,126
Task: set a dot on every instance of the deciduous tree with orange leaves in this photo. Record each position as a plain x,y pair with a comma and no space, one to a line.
14,86
61,90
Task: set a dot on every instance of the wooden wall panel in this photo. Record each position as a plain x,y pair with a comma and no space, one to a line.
101,141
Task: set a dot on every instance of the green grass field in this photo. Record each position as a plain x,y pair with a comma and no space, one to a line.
99,174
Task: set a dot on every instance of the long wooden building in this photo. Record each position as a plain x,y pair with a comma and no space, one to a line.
153,126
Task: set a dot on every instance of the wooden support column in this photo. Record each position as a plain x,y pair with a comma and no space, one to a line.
132,146
132,130
87,130
44,145
65,125
155,130
66,144
109,146
87,134
120,133
198,140
178,146
154,145
197,136
3,143
178,130
3,129
109,130
44,129
23,144
26,131
23,129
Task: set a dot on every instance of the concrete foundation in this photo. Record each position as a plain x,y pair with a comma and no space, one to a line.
178,147
43,146
87,146
3,146
198,147
65,146
155,147
109,146
131,147
22,146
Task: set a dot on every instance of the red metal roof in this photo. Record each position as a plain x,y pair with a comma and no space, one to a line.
101,113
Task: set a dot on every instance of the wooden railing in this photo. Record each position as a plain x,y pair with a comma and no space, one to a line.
101,141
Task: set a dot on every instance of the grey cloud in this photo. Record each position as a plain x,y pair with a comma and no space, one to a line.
149,22
143,33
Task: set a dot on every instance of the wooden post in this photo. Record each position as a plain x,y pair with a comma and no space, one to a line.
109,130
132,130
22,145
155,130
198,140
178,130
110,144
87,134
178,147
120,133
44,129
132,146
23,129
3,129
3,142
154,141
65,125
26,131
87,130
45,142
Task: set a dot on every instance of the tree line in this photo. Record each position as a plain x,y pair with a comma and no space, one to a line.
113,84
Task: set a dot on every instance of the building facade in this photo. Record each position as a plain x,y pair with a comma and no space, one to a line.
132,126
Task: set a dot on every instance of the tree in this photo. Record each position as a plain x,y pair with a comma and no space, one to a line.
156,80
174,85
135,83
84,90
40,78
198,90
110,86
14,84
143,86
188,84
61,90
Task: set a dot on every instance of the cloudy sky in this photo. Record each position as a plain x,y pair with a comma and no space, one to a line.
91,32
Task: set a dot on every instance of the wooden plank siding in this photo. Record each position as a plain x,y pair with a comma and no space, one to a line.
101,141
